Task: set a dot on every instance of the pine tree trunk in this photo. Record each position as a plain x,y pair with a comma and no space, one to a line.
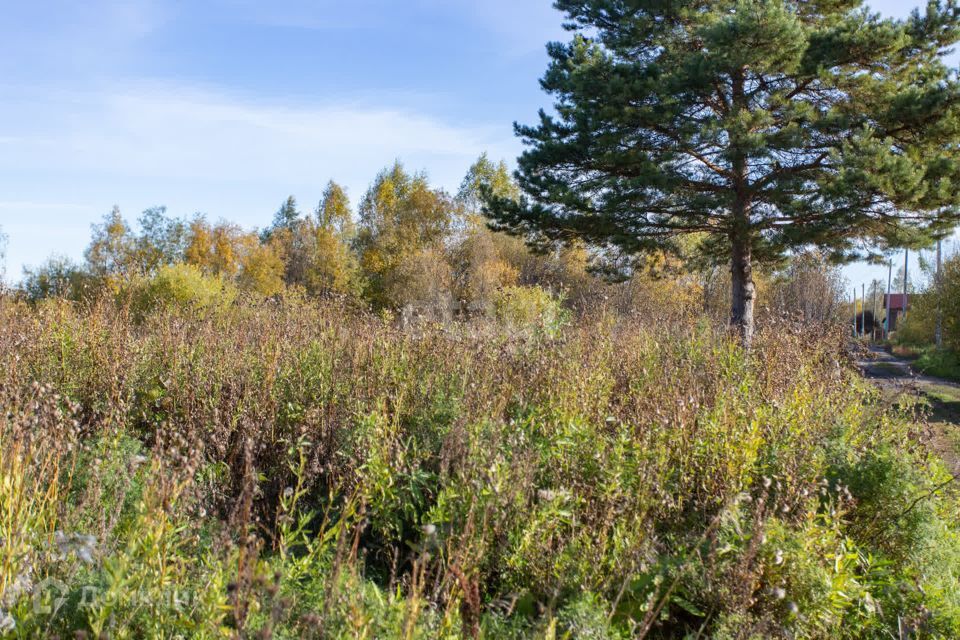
743,291
741,255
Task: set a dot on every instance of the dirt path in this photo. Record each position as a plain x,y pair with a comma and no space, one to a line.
897,379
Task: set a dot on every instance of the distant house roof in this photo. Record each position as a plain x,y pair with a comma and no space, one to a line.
898,301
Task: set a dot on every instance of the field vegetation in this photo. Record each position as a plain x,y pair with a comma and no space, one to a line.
287,468
939,300
401,422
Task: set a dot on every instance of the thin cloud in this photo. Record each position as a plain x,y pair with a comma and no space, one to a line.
314,15
187,133
14,206
77,37
518,27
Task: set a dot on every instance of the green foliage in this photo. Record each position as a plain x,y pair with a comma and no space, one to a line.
111,249
58,277
117,252
530,309
587,617
182,286
417,250
403,222
765,126
300,468
919,328
939,363
287,218
334,211
486,177
162,240
940,298
332,265
107,483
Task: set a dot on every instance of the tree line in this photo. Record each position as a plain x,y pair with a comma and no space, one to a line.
734,134
409,244
414,248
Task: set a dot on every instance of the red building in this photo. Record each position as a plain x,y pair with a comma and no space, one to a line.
898,306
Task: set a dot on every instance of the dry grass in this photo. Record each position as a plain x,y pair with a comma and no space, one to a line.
304,469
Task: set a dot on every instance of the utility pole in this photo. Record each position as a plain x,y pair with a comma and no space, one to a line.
939,294
886,320
906,279
876,311
854,312
863,311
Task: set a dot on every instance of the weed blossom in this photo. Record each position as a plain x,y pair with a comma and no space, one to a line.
83,546
21,585
7,623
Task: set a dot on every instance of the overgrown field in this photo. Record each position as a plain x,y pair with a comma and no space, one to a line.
291,469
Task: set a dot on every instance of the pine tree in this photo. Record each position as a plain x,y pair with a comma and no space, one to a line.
765,125
286,218
290,237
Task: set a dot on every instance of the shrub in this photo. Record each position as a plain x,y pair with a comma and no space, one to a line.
58,277
940,363
530,310
919,327
181,286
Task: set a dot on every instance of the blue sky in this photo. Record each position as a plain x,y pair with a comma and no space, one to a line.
228,106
